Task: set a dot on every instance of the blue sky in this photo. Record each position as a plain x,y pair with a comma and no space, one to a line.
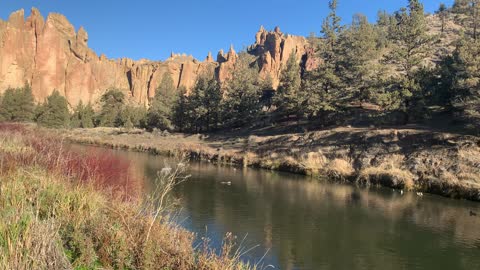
152,29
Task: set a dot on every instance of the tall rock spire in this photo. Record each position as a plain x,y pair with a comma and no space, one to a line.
231,53
209,58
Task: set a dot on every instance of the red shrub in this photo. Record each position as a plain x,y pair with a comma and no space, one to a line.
12,127
100,168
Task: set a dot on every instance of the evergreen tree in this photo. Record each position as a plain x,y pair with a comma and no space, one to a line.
160,112
287,99
131,116
54,112
241,104
204,103
182,116
316,96
460,6
411,44
358,50
322,88
83,116
384,22
331,28
466,84
468,12
442,13
18,104
268,93
112,104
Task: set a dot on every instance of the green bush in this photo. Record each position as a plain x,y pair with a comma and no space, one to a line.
54,112
17,105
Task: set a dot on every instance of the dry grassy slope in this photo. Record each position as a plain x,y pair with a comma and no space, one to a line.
445,42
411,158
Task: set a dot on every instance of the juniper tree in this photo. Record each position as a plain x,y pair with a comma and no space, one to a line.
442,14
18,104
181,110
112,104
321,89
411,44
358,50
54,112
160,111
131,116
468,14
287,98
83,116
242,96
466,76
205,101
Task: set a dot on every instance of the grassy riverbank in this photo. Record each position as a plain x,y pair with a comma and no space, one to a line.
64,210
411,158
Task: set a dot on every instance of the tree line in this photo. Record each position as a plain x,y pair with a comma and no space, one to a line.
393,71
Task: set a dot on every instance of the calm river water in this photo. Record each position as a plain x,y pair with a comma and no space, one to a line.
293,222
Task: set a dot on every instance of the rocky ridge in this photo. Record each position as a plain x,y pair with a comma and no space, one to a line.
49,55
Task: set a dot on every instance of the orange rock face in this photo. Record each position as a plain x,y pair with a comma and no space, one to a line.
49,55
273,50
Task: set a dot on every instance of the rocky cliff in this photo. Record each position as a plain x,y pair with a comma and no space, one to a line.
50,55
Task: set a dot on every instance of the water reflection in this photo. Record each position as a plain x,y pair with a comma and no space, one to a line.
309,224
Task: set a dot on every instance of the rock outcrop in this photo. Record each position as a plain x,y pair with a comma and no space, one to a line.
273,50
49,55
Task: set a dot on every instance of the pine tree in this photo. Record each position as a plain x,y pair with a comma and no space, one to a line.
131,116
411,44
268,93
331,28
242,96
358,52
468,14
160,111
205,100
287,97
83,116
316,96
322,89
18,104
54,112
442,13
112,104
466,84
384,22
182,111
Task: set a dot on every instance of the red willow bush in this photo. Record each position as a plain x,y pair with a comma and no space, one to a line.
93,166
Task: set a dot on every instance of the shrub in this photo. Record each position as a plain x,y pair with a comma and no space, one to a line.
17,105
83,116
54,112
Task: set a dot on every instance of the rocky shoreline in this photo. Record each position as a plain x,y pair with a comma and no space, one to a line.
415,159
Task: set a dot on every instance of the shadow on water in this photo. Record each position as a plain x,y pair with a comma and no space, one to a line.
311,224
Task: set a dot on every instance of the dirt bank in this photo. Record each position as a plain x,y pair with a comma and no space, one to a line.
413,158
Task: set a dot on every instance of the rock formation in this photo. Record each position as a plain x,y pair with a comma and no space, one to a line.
273,50
50,55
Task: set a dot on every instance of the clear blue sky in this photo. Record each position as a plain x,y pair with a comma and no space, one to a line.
152,28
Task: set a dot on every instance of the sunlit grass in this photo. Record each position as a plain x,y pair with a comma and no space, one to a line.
66,210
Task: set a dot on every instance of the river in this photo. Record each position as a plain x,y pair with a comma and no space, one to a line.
291,222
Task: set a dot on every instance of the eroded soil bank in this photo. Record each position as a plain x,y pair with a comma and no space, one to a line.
414,158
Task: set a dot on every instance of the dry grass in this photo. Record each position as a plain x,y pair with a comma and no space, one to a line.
389,173
340,168
54,216
313,162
